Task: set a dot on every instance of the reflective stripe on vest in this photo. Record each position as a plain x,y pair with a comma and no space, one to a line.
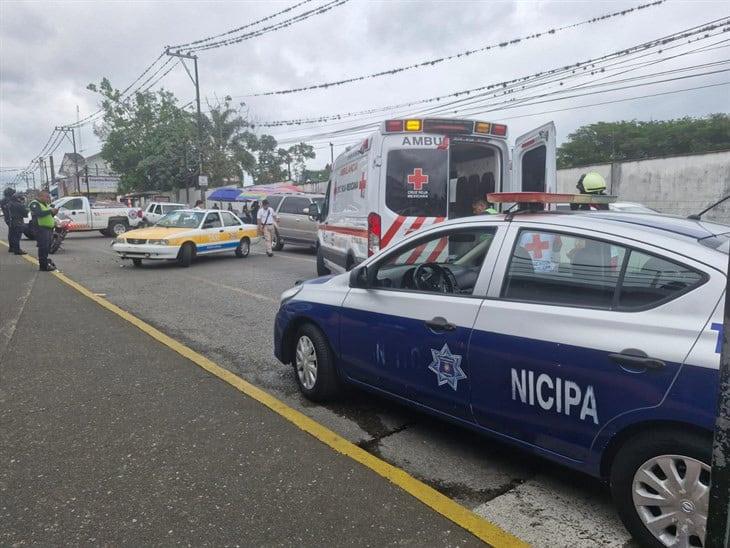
47,220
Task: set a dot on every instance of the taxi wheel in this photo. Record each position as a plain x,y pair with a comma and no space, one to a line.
244,248
278,241
137,262
660,484
314,365
186,254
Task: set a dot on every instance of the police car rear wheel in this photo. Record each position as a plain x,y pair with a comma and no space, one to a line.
314,365
660,484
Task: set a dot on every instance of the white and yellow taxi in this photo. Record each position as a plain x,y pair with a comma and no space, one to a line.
184,234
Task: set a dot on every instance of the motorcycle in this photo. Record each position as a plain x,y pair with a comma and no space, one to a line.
60,231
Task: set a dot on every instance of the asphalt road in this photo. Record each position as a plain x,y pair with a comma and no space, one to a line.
224,307
128,443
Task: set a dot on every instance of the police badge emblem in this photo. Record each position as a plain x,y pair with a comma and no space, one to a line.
447,367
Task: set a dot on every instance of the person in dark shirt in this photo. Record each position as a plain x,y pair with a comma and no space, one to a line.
14,212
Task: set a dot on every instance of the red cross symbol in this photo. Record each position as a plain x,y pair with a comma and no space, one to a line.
536,246
417,179
362,185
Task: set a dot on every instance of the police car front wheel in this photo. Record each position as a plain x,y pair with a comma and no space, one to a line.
660,483
314,365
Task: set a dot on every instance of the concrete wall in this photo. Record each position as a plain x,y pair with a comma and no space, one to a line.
679,185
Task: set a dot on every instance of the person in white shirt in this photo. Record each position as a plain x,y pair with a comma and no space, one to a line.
199,205
266,219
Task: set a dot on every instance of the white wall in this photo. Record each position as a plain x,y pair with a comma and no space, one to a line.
678,185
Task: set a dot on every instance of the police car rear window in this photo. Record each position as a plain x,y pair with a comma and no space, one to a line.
416,183
562,269
718,242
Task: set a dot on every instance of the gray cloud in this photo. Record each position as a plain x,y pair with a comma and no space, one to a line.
50,51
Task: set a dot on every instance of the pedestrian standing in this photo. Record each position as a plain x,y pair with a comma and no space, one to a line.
254,212
245,215
199,205
17,211
42,217
7,193
266,218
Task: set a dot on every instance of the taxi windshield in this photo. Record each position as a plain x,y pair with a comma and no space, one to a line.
182,219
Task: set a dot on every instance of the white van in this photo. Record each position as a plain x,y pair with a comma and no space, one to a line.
416,172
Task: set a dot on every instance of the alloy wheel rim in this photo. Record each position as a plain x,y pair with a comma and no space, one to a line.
245,247
306,362
670,494
119,229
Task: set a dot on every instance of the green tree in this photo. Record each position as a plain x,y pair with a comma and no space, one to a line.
228,144
148,139
629,140
268,168
298,155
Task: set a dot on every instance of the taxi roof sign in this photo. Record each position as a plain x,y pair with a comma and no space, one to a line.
548,198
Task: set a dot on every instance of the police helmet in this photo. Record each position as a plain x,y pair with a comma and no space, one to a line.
591,183
8,192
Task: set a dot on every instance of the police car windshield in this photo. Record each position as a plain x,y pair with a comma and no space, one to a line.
182,219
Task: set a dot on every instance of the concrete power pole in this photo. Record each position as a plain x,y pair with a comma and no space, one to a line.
196,82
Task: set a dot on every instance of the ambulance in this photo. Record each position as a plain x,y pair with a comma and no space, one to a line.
416,172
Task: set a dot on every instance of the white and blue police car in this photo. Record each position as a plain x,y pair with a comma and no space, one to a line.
589,338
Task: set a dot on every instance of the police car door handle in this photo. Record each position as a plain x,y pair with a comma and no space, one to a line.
440,324
636,358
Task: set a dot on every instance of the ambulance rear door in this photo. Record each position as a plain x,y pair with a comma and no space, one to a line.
534,161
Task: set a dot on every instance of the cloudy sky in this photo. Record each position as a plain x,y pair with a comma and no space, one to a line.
50,51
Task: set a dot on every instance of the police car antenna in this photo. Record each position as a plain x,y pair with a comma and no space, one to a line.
698,216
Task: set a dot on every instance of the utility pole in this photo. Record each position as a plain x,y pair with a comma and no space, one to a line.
718,518
332,157
196,82
53,173
65,130
86,175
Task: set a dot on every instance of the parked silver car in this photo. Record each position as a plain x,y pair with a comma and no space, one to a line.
295,227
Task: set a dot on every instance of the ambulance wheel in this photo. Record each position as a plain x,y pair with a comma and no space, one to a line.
322,270
137,262
186,254
314,365
277,241
660,485
244,247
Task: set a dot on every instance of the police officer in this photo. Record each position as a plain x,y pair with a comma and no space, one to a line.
591,183
16,211
42,215
7,193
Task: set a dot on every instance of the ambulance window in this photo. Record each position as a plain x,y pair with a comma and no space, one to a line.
651,280
553,268
416,183
533,169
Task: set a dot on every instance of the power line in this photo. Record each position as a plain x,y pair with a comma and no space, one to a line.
233,31
572,68
277,26
466,53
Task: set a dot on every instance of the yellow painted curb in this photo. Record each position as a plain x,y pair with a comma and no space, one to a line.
460,515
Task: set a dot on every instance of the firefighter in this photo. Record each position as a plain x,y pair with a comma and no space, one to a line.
591,183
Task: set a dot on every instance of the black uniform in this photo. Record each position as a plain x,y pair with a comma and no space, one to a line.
17,212
43,236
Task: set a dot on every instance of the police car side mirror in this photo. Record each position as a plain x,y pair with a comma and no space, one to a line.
359,277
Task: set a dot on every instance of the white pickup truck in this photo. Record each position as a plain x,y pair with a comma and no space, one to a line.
109,218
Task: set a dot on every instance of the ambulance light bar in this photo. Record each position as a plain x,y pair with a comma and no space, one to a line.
548,198
445,127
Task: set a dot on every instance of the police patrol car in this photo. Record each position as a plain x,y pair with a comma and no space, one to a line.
590,338
184,234
414,173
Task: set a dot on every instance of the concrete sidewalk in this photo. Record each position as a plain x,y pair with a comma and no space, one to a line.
108,437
